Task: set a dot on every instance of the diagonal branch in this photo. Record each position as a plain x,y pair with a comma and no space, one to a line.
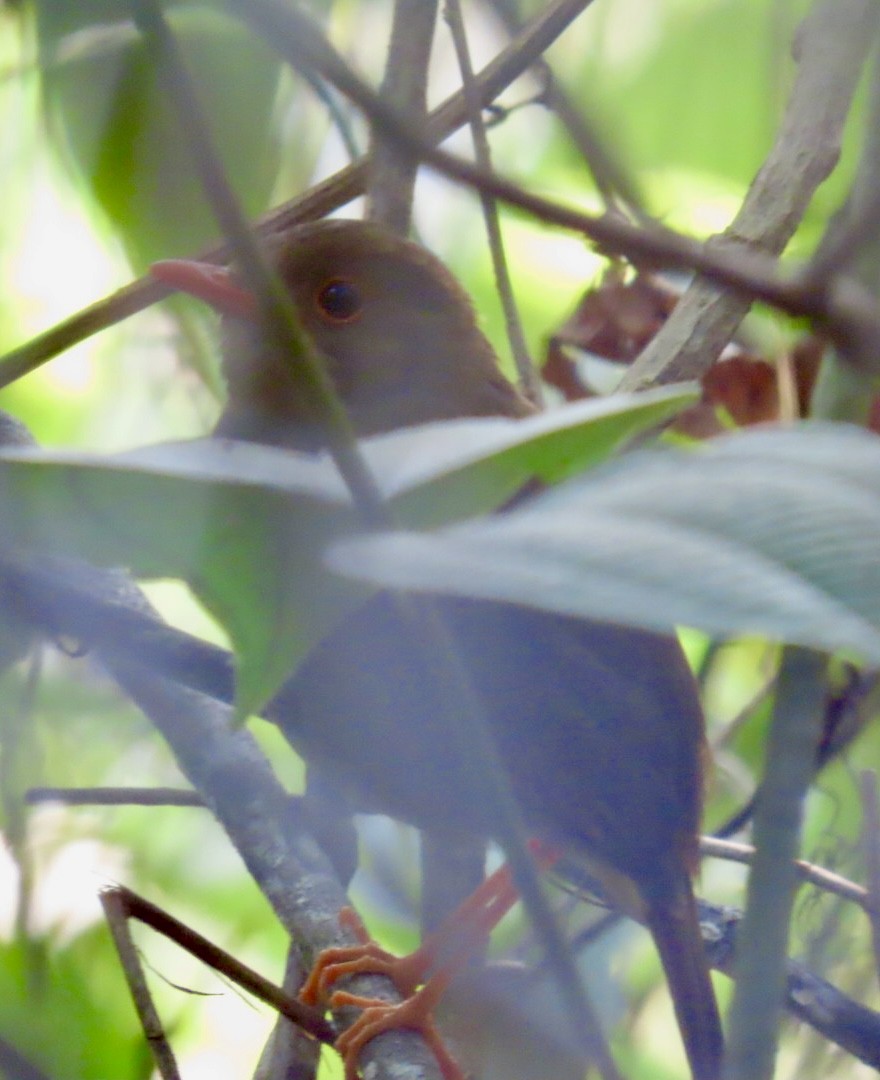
831,47
404,84
339,189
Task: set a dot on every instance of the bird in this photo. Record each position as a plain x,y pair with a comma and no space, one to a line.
598,726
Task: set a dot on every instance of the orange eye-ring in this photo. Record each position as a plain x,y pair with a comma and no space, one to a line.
339,300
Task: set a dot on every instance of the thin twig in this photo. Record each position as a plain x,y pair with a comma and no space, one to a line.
732,726
871,848
338,116
846,713
855,227
404,85
612,181
151,1024
114,796
845,387
528,377
121,904
732,851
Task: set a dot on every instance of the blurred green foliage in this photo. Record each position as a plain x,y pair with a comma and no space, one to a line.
96,184
108,109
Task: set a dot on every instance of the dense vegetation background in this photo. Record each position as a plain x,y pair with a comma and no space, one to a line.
687,96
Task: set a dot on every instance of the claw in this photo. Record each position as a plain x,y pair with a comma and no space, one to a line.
430,967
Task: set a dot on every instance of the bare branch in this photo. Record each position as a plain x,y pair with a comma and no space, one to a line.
815,875
529,381
393,174
854,228
871,846
831,47
238,785
121,904
837,1017
846,312
116,796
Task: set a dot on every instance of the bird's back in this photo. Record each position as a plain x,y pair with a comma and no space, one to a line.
598,726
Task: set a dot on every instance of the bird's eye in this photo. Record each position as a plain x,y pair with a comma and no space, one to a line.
339,301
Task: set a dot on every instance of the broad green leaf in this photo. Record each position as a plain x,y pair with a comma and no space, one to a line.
772,532
247,525
446,471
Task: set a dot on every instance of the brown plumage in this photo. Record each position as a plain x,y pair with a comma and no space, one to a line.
599,726
393,364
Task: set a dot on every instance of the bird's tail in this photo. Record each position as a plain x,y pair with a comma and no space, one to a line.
675,927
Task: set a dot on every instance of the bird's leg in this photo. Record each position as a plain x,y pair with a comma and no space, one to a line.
421,977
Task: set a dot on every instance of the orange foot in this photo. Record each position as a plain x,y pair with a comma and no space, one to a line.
413,1014
430,967
407,973
366,957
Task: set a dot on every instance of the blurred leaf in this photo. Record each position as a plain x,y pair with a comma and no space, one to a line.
249,548
79,1025
246,525
766,531
643,83
112,115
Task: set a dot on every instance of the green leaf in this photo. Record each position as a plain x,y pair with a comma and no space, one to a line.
443,472
246,526
248,547
767,531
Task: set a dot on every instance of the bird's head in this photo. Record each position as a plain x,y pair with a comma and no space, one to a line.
397,331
